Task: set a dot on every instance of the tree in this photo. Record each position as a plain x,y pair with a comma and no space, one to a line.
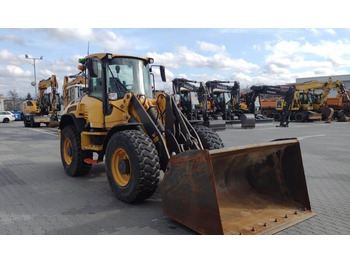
29,96
13,97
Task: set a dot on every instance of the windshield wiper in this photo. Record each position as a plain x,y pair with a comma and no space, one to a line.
120,86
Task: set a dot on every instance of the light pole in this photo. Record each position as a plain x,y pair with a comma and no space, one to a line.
33,58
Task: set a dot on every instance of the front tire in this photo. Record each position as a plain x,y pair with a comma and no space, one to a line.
72,155
277,116
132,166
209,138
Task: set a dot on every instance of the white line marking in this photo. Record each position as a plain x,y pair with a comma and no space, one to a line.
303,137
41,131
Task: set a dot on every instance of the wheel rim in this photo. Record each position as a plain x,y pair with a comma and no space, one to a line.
67,151
121,178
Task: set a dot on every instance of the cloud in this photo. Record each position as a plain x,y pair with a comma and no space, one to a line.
321,31
7,57
298,55
107,39
11,71
170,60
186,57
69,34
12,39
17,72
330,31
209,47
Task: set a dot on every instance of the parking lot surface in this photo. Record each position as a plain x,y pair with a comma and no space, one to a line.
37,197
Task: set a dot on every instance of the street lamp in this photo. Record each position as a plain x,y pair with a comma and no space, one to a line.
33,58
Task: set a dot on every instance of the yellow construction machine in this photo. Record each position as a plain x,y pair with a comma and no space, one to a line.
45,108
72,89
254,189
319,101
322,103
302,108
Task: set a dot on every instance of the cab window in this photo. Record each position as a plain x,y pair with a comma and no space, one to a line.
95,83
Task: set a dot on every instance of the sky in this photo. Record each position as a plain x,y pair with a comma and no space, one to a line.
251,56
253,42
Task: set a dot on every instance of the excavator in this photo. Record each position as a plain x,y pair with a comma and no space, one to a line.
321,102
72,89
227,102
192,98
194,103
316,102
287,94
45,108
341,105
302,108
252,189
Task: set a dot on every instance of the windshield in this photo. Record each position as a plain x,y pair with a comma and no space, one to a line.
219,97
128,74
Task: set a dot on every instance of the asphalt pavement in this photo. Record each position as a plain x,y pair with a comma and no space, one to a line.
37,197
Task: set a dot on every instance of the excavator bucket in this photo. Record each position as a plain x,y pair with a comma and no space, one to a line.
248,120
216,125
255,189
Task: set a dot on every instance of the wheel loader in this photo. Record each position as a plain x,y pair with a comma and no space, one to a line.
253,189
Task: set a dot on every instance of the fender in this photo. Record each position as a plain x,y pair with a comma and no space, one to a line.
70,119
117,128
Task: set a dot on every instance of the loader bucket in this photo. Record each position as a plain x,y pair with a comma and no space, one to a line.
255,189
248,120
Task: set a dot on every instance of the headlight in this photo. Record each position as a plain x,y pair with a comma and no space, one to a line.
113,96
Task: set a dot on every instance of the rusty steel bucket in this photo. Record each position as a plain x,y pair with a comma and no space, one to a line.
255,189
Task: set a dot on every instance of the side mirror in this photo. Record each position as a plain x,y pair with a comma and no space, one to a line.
162,73
92,67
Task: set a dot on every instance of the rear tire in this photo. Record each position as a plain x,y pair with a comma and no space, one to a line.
209,138
265,113
139,180
72,155
300,117
6,120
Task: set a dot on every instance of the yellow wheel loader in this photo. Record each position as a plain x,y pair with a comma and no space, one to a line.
254,189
